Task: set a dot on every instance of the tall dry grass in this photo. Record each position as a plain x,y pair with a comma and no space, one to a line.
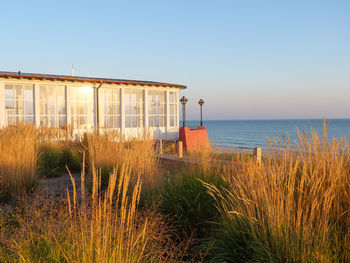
20,149
105,226
18,156
294,207
108,150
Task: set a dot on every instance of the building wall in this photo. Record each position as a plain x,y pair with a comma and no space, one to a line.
73,116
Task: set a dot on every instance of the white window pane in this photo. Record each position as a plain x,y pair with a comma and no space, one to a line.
172,97
18,92
28,94
61,107
19,103
10,104
52,104
62,121
82,109
28,108
134,121
9,92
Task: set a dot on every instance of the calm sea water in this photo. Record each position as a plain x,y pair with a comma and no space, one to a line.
254,133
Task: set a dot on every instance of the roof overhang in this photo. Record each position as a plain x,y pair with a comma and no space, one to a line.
34,76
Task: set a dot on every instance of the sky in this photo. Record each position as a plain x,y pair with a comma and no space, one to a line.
246,59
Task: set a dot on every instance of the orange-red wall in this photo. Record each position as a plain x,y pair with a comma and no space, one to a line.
194,139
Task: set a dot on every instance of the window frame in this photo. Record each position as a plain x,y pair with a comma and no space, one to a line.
15,117
58,104
173,117
158,111
130,117
89,103
105,101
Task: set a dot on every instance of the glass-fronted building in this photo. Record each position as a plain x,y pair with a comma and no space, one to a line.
85,104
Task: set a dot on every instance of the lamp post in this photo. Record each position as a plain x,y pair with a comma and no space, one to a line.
201,102
183,102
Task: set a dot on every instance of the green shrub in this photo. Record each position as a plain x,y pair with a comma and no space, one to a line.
185,199
54,158
72,158
49,162
232,240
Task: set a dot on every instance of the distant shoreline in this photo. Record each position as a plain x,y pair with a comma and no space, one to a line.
227,149
286,119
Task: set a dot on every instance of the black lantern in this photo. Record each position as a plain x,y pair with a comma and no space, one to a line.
183,102
201,102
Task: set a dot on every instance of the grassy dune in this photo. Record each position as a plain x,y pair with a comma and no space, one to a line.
292,207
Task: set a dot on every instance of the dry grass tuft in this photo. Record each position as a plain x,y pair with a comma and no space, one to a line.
107,152
18,155
106,226
294,207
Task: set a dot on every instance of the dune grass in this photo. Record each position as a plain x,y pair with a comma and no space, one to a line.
18,156
294,206
107,151
102,227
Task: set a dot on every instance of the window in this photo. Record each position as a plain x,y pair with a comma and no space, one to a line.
52,106
19,103
82,107
173,104
110,107
133,108
156,108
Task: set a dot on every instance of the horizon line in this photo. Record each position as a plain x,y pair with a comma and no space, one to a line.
269,119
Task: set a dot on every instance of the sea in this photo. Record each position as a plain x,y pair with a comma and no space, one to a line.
254,133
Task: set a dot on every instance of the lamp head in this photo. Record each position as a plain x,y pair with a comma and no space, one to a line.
183,100
201,102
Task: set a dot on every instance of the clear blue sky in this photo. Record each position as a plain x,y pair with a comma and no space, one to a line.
247,59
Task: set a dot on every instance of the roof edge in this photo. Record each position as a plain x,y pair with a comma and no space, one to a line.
21,75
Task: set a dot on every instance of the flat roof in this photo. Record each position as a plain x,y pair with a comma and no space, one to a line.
21,75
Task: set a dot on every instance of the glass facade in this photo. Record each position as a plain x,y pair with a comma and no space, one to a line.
52,106
59,104
134,104
19,103
110,107
156,108
173,104
82,107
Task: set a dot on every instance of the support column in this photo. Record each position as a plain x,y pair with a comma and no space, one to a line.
95,108
145,99
167,114
122,112
68,107
36,105
177,101
100,110
2,105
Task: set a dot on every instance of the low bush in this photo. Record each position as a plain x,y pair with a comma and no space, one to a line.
55,157
49,162
72,157
185,200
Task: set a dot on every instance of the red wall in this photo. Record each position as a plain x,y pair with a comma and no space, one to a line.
194,139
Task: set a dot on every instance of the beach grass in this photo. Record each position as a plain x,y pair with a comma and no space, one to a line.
18,156
293,206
